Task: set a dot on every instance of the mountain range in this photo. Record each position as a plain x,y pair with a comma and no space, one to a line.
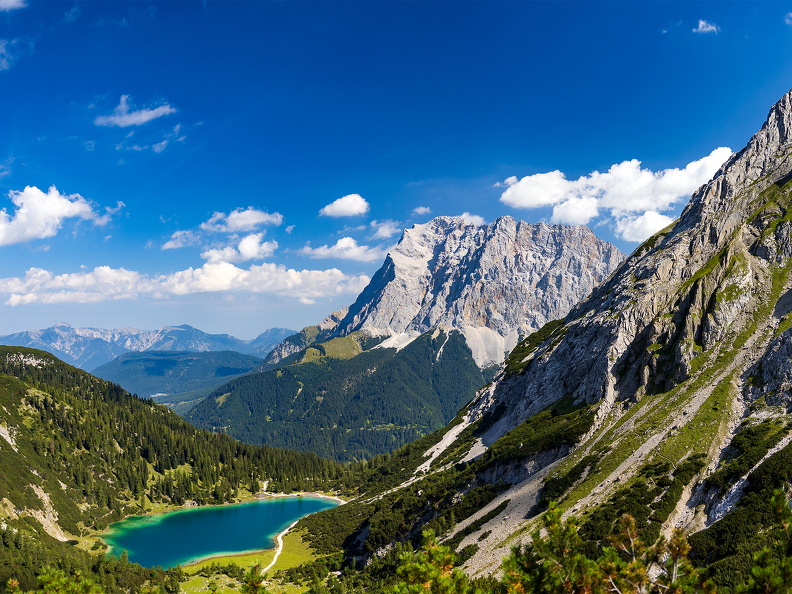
447,304
665,394
88,348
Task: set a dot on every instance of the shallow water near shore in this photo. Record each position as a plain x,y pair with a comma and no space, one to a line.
184,536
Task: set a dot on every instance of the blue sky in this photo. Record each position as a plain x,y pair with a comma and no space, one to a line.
242,165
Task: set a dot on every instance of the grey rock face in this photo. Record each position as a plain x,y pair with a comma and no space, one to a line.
679,294
494,282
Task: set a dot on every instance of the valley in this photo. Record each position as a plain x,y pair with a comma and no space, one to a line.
434,402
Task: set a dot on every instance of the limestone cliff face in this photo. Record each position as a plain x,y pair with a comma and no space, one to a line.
493,282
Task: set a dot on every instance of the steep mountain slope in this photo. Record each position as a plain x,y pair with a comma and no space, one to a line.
175,377
77,453
306,337
494,283
89,348
340,401
664,394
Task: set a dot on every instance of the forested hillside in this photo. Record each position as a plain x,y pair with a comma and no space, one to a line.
78,453
179,379
340,401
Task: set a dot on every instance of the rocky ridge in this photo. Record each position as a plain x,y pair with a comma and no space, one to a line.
695,321
670,384
494,283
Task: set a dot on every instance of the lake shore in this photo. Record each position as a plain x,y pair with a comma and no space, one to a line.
319,494
278,538
162,510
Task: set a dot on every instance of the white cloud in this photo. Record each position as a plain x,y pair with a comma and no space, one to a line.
108,214
511,180
472,219
6,5
348,206
124,118
174,135
104,283
38,215
706,27
250,247
422,210
5,54
241,220
624,189
575,211
788,18
385,229
540,189
181,239
631,228
345,248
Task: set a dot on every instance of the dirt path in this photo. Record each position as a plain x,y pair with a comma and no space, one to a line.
278,549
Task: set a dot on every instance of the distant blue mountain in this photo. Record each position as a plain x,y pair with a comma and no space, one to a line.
88,348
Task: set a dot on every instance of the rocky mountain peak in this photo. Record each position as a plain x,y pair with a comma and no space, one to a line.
767,154
493,282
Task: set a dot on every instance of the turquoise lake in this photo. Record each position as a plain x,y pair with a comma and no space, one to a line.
182,536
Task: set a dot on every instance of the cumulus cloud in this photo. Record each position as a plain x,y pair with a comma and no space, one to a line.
240,220
347,206
105,283
250,247
122,117
638,228
422,210
788,18
345,248
385,229
575,211
6,5
472,219
706,27
625,190
181,239
38,215
506,183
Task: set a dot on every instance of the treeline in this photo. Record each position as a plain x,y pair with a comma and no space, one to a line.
349,409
